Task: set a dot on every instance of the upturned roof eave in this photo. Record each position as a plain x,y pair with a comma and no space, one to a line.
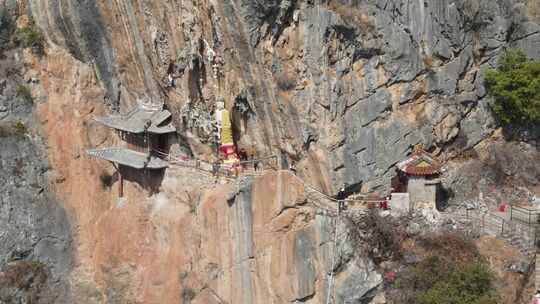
138,121
127,157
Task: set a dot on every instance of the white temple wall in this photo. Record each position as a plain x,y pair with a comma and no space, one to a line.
399,204
421,193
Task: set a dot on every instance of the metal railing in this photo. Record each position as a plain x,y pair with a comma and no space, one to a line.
487,223
525,215
247,167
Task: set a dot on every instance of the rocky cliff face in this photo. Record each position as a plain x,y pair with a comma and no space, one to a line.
35,237
348,87
344,87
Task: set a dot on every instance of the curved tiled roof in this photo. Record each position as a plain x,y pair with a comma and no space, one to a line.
420,163
139,120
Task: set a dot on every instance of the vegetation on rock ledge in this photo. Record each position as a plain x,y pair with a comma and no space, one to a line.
515,87
25,93
453,272
30,36
353,15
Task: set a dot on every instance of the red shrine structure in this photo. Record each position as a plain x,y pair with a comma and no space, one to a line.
418,175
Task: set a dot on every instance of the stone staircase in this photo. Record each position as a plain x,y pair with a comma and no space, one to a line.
329,206
521,239
320,200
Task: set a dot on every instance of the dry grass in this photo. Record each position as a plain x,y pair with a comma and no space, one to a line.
24,275
6,130
428,62
379,238
353,15
453,247
15,129
533,7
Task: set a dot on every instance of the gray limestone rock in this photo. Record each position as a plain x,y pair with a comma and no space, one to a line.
266,17
477,125
366,111
372,79
360,284
371,151
35,232
33,225
82,32
305,264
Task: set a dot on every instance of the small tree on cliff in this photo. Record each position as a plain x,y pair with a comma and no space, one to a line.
515,87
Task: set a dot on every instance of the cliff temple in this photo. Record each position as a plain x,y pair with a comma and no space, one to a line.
418,176
145,134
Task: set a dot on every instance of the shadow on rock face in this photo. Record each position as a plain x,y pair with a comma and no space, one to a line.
35,251
83,31
528,133
149,180
35,231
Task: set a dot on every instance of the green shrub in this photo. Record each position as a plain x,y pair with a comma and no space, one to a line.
188,295
438,281
450,271
515,88
470,284
24,92
31,37
106,180
20,128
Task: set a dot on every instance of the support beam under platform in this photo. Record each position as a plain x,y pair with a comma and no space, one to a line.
120,185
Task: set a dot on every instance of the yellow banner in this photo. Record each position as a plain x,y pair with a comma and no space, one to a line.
226,128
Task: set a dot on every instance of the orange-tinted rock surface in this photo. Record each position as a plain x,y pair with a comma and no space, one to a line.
346,91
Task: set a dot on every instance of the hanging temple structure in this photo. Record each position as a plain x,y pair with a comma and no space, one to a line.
146,132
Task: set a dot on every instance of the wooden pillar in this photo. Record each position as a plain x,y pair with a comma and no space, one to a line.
120,185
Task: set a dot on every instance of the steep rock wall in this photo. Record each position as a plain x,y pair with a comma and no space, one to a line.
345,89
35,229
348,87
188,243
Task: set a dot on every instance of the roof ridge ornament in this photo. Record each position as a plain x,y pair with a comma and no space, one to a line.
420,163
418,149
146,103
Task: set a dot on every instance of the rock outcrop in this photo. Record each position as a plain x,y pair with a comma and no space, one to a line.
35,230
